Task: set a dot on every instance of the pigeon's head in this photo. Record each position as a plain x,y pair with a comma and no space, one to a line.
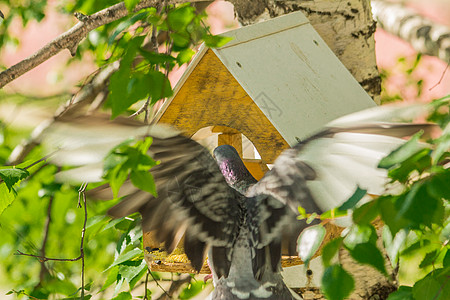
233,168
226,153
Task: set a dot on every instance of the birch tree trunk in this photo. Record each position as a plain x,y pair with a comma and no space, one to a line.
424,35
346,26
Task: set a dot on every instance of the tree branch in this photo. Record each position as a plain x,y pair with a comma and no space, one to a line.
71,38
423,34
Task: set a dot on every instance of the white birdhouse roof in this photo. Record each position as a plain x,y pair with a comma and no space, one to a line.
289,72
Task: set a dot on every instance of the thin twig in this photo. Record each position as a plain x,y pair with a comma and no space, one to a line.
71,38
440,79
44,269
175,285
146,285
157,283
82,194
43,258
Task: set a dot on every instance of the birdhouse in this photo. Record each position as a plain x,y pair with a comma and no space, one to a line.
275,82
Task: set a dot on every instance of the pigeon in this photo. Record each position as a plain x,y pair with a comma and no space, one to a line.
221,210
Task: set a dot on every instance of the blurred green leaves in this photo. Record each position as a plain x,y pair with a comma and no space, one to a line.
133,161
415,216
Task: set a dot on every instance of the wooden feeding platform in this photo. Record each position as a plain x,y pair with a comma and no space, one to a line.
177,261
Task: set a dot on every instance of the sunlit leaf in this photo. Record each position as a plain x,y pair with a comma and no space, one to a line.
113,276
179,18
216,41
434,286
6,197
144,181
419,207
193,288
405,151
393,244
403,293
123,296
126,256
309,242
131,4
337,284
354,199
368,253
330,250
185,56
120,81
366,213
13,175
429,259
130,269
389,213
359,234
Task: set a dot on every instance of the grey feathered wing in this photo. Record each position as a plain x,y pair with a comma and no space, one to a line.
193,200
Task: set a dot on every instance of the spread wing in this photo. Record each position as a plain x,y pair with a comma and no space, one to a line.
193,200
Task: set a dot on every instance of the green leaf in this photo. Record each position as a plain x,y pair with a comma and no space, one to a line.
178,19
415,208
366,213
157,58
443,145
12,176
144,181
124,25
435,285
120,81
402,153
131,4
216,41
123,296
160,86
181,40
419,162
185,56
302,213
330,250
368,253
354,199
126,256
429,259
337,284
130,269
113,276
6,197
438,185
403,293
446,260
192,289
116,178
417,246
138,277
333,214
389,213
359,234
393,245
309,242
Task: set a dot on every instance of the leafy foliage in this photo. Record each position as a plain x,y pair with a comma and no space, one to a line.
417,222
40,217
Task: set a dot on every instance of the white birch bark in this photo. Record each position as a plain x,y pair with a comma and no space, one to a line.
423,34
